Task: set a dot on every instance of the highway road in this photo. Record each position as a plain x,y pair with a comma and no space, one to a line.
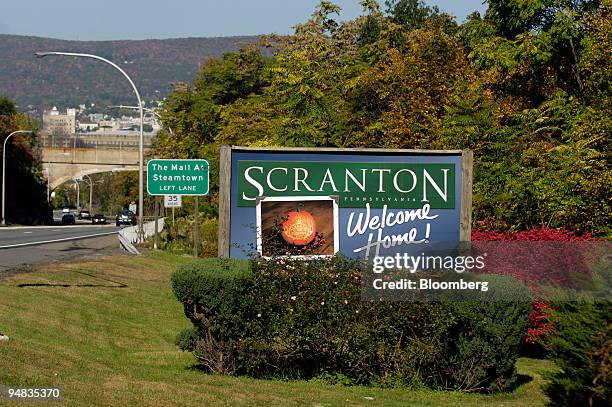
18,259
11,237
23,246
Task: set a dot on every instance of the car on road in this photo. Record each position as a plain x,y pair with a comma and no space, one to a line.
68,219
84,214
125,217
98,218
66,210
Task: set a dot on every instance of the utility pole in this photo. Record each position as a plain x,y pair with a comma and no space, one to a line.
48,183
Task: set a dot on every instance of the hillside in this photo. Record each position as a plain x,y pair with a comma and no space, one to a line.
62,81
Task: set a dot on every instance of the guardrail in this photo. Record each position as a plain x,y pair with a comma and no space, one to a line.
129,236
105,141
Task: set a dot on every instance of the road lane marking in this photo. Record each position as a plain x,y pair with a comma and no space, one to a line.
57,240
27,232
78,225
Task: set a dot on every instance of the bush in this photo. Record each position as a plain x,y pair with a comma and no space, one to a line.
481,348
540,326
178,238
305,320
216,296
582,348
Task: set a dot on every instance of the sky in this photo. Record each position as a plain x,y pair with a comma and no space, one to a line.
145,19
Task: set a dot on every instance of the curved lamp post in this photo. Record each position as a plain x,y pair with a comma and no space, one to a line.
90,190
48,171
4,169
140,107
78,192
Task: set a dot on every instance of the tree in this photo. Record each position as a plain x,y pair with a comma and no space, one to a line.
25,186
402,98
7,107
527,88
411,14
531,48
596,58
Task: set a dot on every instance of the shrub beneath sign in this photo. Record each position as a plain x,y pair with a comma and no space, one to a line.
296,319
582,348
216,297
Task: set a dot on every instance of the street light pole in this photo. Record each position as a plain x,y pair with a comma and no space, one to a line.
90,190
4,170
48,185
78,191
141,149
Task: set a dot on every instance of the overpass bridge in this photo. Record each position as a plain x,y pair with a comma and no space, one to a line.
72,156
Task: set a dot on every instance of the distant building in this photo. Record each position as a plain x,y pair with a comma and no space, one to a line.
95,117
55,123
107,125
87,127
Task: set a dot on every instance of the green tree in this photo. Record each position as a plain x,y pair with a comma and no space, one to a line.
411,14
401,99
7,107
526,87
582,349
25,187
595,64
531,48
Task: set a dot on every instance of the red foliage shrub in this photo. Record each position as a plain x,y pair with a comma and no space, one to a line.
486,231
539,324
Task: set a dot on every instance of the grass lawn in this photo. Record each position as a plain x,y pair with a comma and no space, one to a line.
103,331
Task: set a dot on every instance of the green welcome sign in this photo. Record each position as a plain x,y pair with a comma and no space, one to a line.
360,203
379,184
177,177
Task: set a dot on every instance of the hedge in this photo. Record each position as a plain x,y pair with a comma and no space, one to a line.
582,349
306,320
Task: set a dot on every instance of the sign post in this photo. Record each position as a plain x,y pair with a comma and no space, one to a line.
196,238
155,245
176,178
172,201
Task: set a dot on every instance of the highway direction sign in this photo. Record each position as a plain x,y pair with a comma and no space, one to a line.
177,177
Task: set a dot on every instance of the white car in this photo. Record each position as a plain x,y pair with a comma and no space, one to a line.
66,210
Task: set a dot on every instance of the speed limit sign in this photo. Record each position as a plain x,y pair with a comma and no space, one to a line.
172,201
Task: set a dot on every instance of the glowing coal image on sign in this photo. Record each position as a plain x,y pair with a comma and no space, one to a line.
300,228
297,226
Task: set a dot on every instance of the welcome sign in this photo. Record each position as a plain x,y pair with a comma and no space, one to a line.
397,185
318,202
